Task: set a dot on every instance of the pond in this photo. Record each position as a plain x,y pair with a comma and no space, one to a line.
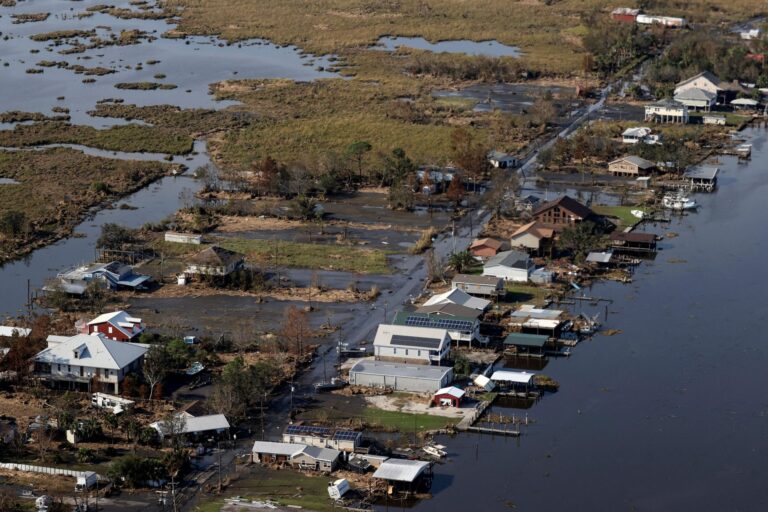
475,48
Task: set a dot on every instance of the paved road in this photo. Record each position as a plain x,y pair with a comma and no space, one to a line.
407,282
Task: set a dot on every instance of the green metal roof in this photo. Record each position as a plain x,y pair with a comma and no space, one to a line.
520,339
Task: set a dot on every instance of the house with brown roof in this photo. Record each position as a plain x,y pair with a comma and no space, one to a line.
214,261
633,241
562,212
534,237
631,165
485,247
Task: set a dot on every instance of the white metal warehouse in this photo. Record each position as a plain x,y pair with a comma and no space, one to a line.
400,377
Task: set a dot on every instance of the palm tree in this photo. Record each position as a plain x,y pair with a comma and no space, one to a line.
460,261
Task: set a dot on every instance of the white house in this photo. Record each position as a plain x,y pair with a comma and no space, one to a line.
409,344
697,99
667,21
84,359
510,266
214,261
705,81
635,135
194,425
666,111
461,298
502,160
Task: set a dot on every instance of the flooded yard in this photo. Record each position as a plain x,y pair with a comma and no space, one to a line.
484,48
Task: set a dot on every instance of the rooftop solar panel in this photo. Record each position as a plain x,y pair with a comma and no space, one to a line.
413,341
439,323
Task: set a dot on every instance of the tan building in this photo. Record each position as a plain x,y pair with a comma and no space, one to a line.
533,236
630,166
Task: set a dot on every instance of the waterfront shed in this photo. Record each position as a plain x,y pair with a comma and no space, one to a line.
633,241
400,377
403,474
702,177
525,343
512,379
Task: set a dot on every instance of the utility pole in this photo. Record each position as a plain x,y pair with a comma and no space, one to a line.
218,444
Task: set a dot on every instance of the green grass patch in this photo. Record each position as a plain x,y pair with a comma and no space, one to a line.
623,213
315,256
525,293
405,422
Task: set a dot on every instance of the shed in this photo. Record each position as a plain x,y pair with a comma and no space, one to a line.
601,258
512,379
478,285
183,238
501,160
703,177
633,241
403,474
526,343
400,377
484,382
450,396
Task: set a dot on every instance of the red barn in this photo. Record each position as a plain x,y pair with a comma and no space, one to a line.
117,326
625,14
450,396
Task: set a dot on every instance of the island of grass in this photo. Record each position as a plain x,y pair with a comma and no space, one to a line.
145,86
60,35
54,189
128,138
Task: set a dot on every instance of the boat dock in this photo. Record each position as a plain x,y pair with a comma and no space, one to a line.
495,431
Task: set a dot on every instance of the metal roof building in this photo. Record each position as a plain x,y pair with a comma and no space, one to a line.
401,470
415,344
400,377
512,377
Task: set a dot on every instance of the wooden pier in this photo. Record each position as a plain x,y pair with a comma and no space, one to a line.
495,431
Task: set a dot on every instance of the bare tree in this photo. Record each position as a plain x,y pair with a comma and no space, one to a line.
156,364
43,438
295,329
434,267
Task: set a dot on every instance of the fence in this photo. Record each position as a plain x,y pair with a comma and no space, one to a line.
43,469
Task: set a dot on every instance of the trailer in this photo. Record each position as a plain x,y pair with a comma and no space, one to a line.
86,480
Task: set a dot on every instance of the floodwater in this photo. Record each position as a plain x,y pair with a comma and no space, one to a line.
671,413
482,48
513,98
153,203
192,64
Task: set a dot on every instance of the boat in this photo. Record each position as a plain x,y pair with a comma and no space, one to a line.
436,450
638,213
335,383
678,202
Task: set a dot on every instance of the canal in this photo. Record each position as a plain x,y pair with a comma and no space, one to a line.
670,414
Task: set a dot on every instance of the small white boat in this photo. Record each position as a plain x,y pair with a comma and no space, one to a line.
436,450
678,202
638,213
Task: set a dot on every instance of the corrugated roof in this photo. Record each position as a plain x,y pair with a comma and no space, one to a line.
459,297
452,391
509,376
450,309
695,94
94,351
285,449
531,311
599,257
702,172
401,370
511,259
520,339
638,131
706,74
401,470
196,424
642,163
121,320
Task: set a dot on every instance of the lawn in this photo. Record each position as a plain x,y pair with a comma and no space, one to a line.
286,487
623,213
525,293
405,422
314,256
